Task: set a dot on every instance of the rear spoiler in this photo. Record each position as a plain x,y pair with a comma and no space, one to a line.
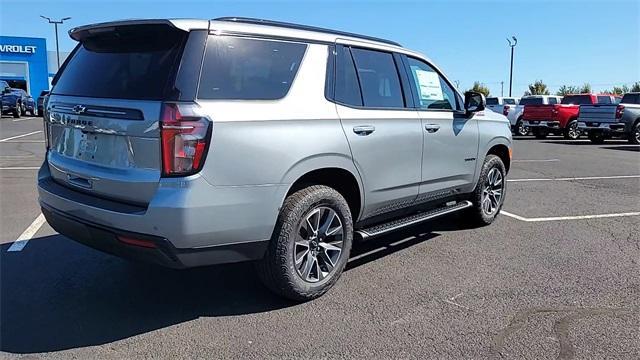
81,32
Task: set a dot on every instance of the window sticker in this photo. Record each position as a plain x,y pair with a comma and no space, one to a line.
429,83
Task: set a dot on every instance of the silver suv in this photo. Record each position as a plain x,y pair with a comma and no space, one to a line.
192,142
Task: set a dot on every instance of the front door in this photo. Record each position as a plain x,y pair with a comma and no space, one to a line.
450,149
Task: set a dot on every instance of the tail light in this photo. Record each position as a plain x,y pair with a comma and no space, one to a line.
505,110
185,137
619,111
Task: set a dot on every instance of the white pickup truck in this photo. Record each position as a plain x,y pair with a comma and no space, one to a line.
507,106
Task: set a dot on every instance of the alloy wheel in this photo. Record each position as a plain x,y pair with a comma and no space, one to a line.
492,192
573,131
636,133
318,244
523,130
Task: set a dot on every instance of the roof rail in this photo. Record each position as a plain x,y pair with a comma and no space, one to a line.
254,21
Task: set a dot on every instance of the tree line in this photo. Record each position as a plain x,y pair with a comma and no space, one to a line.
540,88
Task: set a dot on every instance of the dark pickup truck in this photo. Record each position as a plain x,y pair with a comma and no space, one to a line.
604,121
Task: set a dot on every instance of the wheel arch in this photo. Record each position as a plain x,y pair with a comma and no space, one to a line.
501,150
343,179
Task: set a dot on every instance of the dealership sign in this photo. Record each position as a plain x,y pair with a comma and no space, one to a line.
18,49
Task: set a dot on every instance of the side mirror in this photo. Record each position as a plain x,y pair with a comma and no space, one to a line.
474,102
6,90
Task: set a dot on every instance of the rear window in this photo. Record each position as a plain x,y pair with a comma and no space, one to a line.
126,62
532,101
604,100
509,101
249,69
492,101
631,99
576,100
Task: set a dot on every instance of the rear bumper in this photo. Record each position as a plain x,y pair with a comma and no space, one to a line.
162,252
609,128
191,222
543,124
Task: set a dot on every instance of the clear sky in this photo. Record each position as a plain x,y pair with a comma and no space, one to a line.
560,42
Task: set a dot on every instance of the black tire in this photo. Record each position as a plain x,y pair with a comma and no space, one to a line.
17,111
571,132
634,135
540,134
597,137
521,129
277,269
477,215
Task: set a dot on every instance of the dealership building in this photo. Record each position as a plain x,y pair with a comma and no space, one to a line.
25,63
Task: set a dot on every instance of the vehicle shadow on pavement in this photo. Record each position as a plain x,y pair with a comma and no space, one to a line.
635,148
584,142
57,294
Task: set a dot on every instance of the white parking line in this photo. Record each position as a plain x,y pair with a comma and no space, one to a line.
561,218
536,160
19,136
26,235
23,141
25,119
20,168
577,178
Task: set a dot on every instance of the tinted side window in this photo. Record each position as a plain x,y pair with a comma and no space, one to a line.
249,69
553,100
630,99
604,100
346,83
510,101
379,81
492,101
433,91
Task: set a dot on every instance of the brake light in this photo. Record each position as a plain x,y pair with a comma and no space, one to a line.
619,111
185,137
505,110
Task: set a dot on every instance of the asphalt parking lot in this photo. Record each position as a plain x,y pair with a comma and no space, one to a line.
556,276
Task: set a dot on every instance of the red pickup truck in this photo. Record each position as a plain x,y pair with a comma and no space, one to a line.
561,119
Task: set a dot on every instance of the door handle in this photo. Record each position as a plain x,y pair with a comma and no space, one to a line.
363,130
431,128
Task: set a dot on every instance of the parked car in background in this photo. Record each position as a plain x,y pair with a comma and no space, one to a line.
40,102
560,119
329,127
505,106
515,112
5,89
17,102
603,121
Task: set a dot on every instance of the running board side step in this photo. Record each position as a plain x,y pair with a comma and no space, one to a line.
397,224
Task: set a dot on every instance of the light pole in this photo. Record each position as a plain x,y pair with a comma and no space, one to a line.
55,24
511,45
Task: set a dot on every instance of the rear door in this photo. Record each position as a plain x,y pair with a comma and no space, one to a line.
382,128
104,110
450,138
